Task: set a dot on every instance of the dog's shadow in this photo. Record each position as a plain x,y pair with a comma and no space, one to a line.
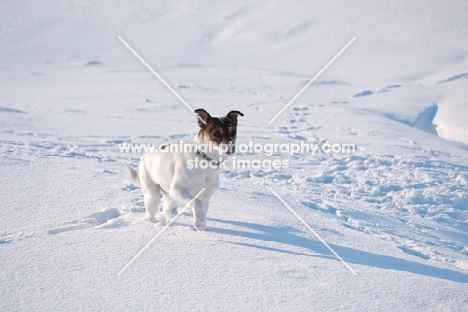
288,236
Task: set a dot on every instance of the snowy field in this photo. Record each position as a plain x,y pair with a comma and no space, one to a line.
395,209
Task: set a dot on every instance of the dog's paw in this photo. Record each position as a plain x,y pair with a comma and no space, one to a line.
164,218
163,221
200,226
151,219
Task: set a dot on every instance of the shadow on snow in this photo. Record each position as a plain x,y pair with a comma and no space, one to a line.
288,236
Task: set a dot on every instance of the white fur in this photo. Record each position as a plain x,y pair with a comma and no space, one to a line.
168,173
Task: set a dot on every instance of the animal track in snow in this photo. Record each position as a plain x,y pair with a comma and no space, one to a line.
103,218
11,110
364,93
454,77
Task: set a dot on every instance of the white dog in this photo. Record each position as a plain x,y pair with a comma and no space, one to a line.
181,175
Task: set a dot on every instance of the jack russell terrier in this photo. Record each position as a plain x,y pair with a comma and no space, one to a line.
169,172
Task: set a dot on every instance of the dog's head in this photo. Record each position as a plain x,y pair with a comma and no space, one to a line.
221,131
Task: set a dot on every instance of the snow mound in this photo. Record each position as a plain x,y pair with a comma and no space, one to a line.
423,119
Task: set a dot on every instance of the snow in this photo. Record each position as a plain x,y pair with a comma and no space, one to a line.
396,210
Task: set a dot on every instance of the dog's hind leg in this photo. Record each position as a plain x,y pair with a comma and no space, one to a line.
151,194
152,200
168,203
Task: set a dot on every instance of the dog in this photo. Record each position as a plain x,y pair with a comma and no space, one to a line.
174,175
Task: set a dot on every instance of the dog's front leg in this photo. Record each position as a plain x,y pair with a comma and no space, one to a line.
183,197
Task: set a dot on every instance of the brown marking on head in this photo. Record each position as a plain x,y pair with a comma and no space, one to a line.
219,130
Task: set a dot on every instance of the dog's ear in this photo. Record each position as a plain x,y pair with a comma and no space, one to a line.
233,115
202,115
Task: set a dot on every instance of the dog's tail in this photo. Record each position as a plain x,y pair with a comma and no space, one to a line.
133,175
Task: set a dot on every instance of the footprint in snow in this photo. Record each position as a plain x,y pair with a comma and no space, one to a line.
454,77
104,219
364,93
